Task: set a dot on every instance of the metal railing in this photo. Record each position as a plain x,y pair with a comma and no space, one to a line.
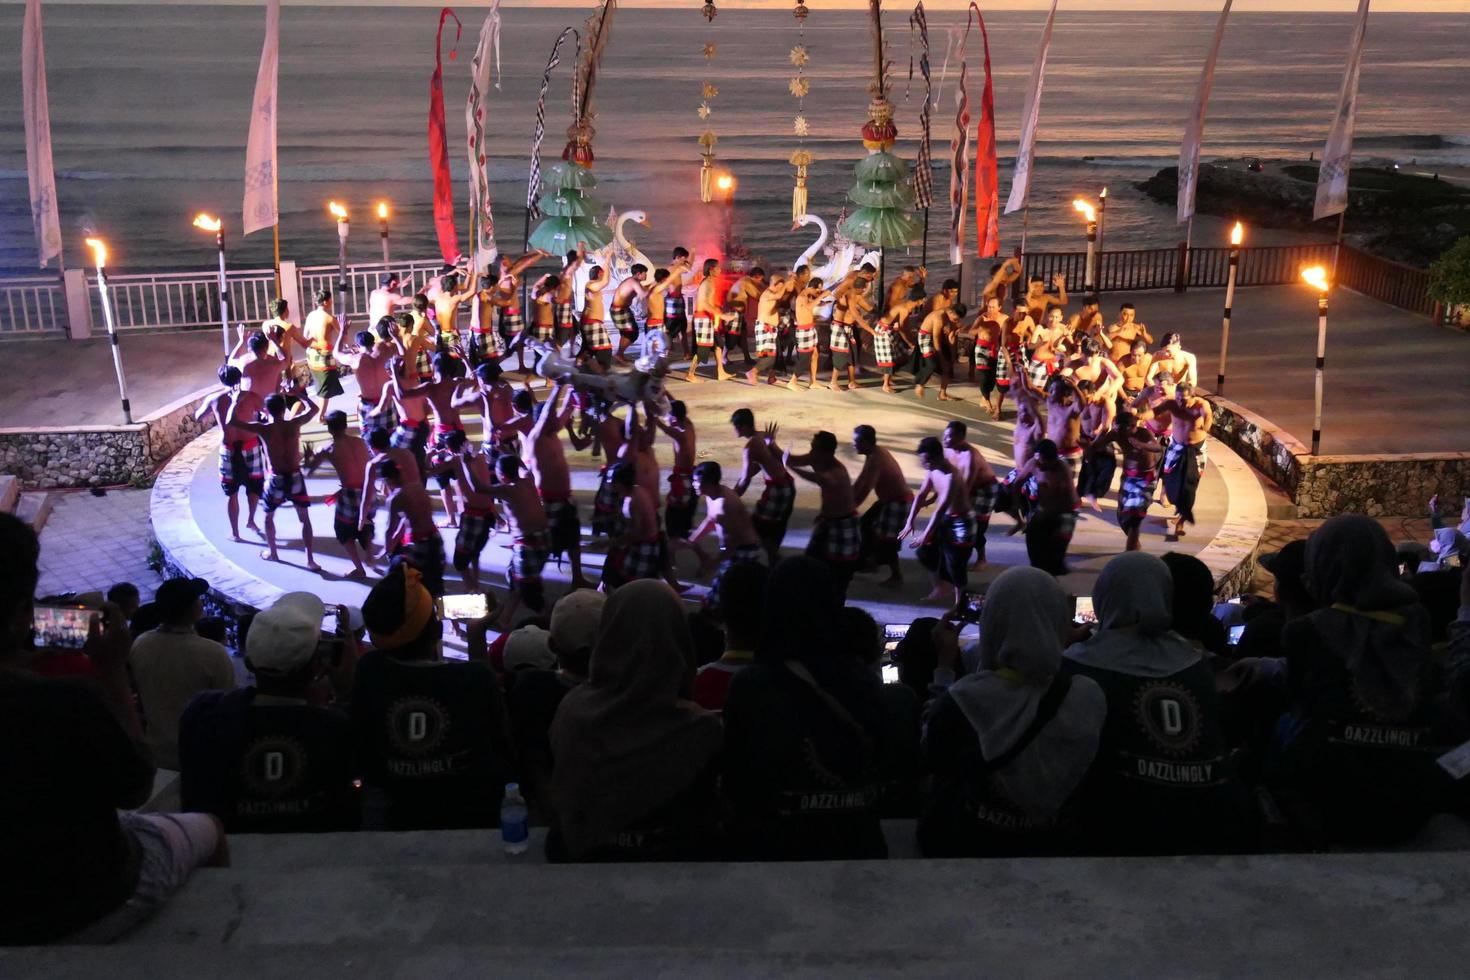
362,280
1389,282
32,307
164,300
1175,268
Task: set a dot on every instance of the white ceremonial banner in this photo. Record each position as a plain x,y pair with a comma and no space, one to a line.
1026,152
1194,127
482,219
37,111
262,203
1337,157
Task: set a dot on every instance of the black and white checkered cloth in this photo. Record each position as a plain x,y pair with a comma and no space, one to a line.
883,345
622,318
776,504
923,167
704,330
806,337
765,339
836,539
595,334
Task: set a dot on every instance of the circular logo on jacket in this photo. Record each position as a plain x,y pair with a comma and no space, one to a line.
1169,716
417,725
274,766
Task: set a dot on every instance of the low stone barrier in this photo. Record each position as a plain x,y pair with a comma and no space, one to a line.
1324,486
62,457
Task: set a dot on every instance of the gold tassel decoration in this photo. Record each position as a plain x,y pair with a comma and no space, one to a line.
707,140
801,159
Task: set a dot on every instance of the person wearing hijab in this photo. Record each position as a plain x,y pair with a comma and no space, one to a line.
1008,746
1194,604
804,730
636,762
1163,781
1368,715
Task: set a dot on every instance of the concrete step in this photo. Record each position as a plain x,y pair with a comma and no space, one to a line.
9,493
1279,505
34,509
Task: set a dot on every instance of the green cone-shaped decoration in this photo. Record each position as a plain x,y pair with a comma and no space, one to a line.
572,216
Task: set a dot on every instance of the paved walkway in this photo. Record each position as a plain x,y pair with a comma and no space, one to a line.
1395,383
92,543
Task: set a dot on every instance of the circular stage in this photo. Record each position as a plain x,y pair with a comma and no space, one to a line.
189,520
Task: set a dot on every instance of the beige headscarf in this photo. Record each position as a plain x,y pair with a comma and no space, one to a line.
626,743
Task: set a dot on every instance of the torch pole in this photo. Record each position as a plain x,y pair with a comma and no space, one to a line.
224,292
117,365
1225,322
383,235
1321,362
1089,285
342,228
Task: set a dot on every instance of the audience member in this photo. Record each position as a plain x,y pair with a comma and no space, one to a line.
535,695
918,658
125,596
1009,745
804,729
898,781
1194,604
636,763
1163,781
263,758
742,605
431,735
172,663
1368,716
76,867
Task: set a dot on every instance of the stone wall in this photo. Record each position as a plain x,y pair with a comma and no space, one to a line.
1324,486
100,455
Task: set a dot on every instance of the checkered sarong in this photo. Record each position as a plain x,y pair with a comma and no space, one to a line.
926,343
1002,368
564,315
607,511
242,465
622,318
348,505
883,345
765,339
595,334
841,337
1175,453
1040,371
387,419
806,337
704,330
489,343
511,321
744,553
836,539
405,436
673,305
982,500
546,332
475,525
528,554
286,487
423,364
644,559
891,519
562,524
1135,494
776,503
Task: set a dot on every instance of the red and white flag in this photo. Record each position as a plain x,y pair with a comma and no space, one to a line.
1337,157
1026,151
262,208
987,182
37,112
1194,127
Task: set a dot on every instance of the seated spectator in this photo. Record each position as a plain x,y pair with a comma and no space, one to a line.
742,605
804,729
898,783
145,619
125,596
1194,604
75,866
1264,621
431,734
1368,712
527,648
636,763
918,659
263,758
1009,745
1163,781
172,663
534,697
213,628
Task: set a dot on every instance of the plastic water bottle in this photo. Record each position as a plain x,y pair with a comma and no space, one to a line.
514,817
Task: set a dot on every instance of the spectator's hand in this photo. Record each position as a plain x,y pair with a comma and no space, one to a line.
946,637
1242,675
1080,632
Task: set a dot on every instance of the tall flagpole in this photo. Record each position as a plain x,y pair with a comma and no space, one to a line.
261,206
1337,155
1020,195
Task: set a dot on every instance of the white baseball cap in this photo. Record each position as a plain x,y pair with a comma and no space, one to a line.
528,646
283,638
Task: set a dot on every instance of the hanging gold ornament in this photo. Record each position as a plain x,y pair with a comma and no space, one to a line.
799,55
800,12
799,86
709,10
703,110
707,140
709,50
800,127
709,91
801,159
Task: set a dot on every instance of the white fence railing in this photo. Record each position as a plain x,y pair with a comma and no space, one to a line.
32,307
362,280
164,300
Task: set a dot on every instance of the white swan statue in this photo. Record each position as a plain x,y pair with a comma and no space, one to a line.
841,258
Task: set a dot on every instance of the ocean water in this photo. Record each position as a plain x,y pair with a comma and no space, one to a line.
150,108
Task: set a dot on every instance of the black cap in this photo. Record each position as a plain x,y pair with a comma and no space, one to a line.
1289,562
175,596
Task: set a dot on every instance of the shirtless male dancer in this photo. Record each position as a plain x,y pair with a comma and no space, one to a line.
778,499
348,455
983,487
768,330
386,299
564,304
1017,497
412,535
1176,360
675,313
322,334
836,539
1064,421
530,540
597,345
807,349
546,458
544,310
369,364
887,334
241,453
440,394
282,437
881,523
629,291
944,545
929,345
1121,335
707,311
1039,298
1051,525
747,290
641,551
1142,453
471,470
1095,478
726,516
1190,418
680,502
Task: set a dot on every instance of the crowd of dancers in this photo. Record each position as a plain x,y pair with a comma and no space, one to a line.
1084,394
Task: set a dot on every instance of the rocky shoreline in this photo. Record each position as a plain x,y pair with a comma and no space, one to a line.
1404,217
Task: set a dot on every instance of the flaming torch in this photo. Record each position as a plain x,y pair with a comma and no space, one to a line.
1089,278
383,228
1237,235
1316,277
99,255
340,213
205,222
